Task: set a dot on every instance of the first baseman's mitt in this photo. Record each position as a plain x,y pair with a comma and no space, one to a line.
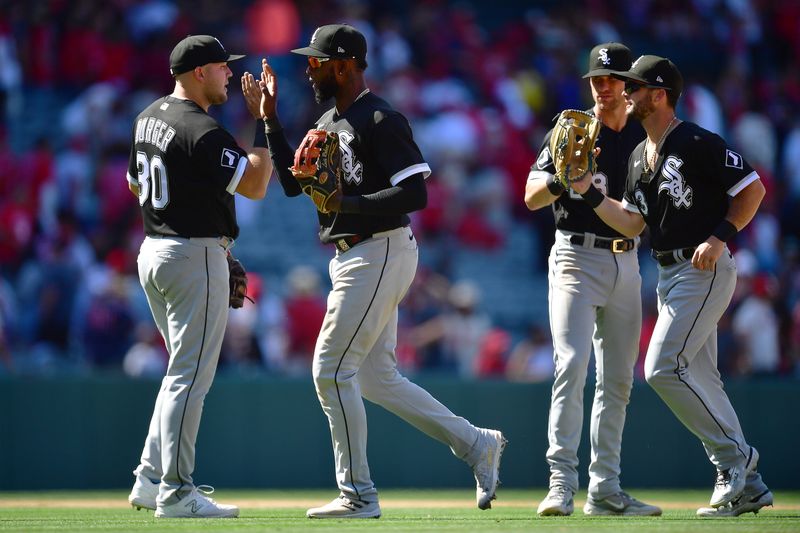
572,145
237,278
317,166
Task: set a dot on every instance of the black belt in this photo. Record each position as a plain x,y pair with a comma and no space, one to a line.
345,243
615,245
670,257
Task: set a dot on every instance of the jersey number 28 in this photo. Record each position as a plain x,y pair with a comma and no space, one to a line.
152,176
599,180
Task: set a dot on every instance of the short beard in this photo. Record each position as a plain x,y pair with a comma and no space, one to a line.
642,109
325,89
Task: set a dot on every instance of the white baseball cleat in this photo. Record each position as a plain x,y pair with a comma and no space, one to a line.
487,466
619,504
558,502
144,493
344,507
730,482
755,496
197,505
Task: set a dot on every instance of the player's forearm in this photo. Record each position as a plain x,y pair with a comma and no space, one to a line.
282,157
615,215
407,196
538,195
256,177
612,212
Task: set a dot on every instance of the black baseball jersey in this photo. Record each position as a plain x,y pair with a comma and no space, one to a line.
696,175
378,152
571,212
187,168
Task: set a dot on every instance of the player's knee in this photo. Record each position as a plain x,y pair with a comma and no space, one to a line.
658,378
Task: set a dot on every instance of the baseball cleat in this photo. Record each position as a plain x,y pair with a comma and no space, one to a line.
619,504
144,493
344,507
751,501
558,502
197,505
730,482
487,467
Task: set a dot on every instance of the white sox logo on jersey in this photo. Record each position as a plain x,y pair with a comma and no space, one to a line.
350,165
603,56
674,183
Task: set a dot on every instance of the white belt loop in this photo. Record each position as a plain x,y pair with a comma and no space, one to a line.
588,240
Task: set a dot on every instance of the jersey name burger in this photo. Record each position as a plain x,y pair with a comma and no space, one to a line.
154,131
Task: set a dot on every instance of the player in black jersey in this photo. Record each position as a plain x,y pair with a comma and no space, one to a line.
595,301
376,258
694,193
185,168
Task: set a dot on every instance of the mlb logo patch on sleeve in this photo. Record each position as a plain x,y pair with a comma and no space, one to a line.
732,159
229,158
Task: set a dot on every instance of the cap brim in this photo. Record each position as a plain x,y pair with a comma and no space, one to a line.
630,76
234,57
309,51
603,72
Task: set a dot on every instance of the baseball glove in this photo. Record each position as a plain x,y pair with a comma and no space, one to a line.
237,279
572,145
317,166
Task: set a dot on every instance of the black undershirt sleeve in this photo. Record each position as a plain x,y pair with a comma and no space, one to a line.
282,157
407,196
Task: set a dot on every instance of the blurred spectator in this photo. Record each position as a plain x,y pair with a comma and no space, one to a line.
460,330
147,357
755,325
305,309
241,352
531,359
108,326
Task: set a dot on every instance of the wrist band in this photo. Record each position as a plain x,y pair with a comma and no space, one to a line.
260,137
272,125
555,187
593,196
725,231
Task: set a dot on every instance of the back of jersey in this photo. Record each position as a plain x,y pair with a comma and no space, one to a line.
187,169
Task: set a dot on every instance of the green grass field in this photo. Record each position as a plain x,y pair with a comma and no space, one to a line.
403,510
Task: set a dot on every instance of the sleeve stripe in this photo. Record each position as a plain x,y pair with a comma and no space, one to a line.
538,175
237,176
410,171
132,180
630,207
747,180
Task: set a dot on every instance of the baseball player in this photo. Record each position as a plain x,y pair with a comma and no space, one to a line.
376,258
185,168
694,193
595,301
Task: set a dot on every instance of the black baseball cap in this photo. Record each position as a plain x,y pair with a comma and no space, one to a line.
336,41
607,59
196,51
655,71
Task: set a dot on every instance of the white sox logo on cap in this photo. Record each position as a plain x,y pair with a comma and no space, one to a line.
603,56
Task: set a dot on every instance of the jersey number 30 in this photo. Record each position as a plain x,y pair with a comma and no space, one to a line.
152,176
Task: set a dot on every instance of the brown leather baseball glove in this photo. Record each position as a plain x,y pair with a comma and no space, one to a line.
318,166
237,279
572,145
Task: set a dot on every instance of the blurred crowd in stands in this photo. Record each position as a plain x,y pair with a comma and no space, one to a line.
480,83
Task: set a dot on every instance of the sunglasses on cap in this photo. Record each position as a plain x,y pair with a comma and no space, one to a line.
632,86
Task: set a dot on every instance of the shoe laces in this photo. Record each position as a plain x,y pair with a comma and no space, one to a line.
561,491
723,477
206,491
